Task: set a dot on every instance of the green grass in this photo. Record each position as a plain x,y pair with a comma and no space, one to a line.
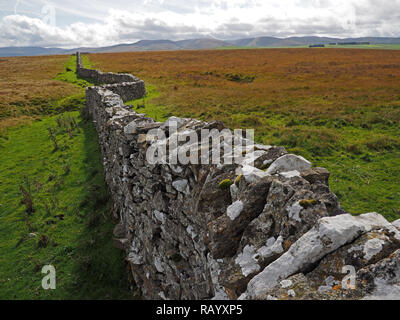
70,182
145,105
75,102
69,74
361,150
366,183
364,163
72,210
362,154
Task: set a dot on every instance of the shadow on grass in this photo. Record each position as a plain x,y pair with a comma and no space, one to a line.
101,271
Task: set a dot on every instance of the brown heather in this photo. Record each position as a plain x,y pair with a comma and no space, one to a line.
339,108
301,83
28,87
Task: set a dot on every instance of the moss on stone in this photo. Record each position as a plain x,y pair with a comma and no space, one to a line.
238,178
225,184
308,203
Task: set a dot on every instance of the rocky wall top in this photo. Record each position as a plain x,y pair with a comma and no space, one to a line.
264,226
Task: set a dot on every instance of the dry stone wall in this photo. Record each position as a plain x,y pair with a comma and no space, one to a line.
265,228
125,85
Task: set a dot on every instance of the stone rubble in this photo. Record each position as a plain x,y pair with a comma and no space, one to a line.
266,228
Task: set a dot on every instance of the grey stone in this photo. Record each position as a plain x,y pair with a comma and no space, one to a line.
181,185
173,122
252,174
287,163
397,224
235,210
327,236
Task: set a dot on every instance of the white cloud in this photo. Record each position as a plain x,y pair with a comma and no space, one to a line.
129,21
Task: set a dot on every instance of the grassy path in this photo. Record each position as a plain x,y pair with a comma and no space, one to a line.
70,226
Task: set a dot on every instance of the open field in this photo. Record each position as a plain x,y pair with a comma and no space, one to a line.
54,205
28,88
339,108
367,47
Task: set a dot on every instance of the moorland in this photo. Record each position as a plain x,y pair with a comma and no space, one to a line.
339,108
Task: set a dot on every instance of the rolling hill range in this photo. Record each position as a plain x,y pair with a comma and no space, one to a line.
193,44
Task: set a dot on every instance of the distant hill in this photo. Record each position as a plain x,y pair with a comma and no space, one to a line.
160,45
143,45
29,51
197,44
194,44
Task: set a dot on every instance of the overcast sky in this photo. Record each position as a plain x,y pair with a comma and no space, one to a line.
72,23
